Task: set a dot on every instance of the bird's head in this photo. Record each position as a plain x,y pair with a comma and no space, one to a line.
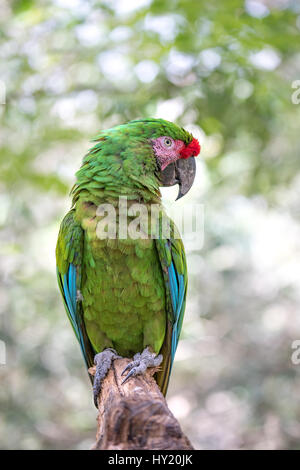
175,154
140,156
174,150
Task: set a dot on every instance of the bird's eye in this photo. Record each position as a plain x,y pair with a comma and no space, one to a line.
168,142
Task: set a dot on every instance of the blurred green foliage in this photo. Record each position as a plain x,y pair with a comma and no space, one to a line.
224,70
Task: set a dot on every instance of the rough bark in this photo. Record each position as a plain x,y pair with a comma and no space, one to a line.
135,415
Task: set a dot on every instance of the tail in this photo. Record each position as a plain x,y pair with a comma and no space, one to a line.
163,376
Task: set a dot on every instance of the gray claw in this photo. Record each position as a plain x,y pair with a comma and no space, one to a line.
130,374
130,366
103,363
140,364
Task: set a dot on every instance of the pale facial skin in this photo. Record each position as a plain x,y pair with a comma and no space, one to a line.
167,150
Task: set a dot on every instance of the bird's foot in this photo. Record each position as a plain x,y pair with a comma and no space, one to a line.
141,362
103,363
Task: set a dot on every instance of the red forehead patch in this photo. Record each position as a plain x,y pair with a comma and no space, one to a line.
191,150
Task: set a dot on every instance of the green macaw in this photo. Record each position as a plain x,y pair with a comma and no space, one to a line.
124,289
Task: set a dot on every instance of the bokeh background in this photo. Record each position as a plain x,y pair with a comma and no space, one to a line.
225,71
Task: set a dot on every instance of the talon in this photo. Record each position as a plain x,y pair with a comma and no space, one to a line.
103,363
128,367
130,374
140,363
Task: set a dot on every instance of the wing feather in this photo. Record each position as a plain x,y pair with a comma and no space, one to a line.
173,262
69,252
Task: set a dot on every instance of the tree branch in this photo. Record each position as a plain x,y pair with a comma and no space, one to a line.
135,415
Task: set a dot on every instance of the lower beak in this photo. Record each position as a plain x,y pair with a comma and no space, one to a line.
181,172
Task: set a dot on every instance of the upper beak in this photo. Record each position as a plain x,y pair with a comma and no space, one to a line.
181,172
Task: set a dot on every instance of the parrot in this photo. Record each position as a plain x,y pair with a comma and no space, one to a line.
124,289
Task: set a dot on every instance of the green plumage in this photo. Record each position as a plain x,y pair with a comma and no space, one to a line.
123,296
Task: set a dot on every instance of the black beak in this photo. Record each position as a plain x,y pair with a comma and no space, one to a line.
181,172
